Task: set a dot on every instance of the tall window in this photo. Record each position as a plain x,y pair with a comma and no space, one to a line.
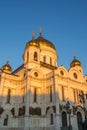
35,94
35,56
74,93
51,119
77,93
23,94
50,60
27,56
77,97
64,119
63,93
50,93
44,59
8,95
6,121
79,121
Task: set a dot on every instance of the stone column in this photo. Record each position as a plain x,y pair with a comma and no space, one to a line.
27,100
85,104
27,92
56,96
2,81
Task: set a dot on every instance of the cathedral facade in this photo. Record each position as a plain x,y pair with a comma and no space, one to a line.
40,95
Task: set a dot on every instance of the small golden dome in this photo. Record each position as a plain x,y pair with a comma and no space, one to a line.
6,68
32,43
75,62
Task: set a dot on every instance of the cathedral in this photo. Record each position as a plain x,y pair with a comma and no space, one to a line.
39,94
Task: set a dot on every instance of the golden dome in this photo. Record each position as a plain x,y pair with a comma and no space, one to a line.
75,62
32,43
6,68
44,42
40,41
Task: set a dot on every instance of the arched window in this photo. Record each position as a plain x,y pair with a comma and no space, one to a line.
63,93
6,120
79,121
50,61
51,119
35,56
23,94
27,56
8,95
64,119
44,59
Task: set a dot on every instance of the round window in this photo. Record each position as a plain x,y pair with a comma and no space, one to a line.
61,72
36,74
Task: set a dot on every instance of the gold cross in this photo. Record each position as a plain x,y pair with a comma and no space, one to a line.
8,59
33,33
40,30
74,54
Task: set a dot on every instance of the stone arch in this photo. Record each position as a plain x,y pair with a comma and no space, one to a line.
36,73
7,112
5,122
75,74
50,115
79,120
64,119
62,71
5,117
50,110
80,109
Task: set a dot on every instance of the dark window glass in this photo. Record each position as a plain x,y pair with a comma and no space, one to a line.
50,60
35,56
8,96
6,121
44,59
79,121
64,119
51,119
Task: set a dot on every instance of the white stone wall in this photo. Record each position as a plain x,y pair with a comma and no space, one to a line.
65,87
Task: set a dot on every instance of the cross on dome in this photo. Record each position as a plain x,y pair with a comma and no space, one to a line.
40,31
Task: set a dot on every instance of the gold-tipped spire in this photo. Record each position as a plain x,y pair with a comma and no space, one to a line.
33,34
74,54
8,59
40,31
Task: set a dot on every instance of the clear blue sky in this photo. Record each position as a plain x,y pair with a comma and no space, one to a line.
64,23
